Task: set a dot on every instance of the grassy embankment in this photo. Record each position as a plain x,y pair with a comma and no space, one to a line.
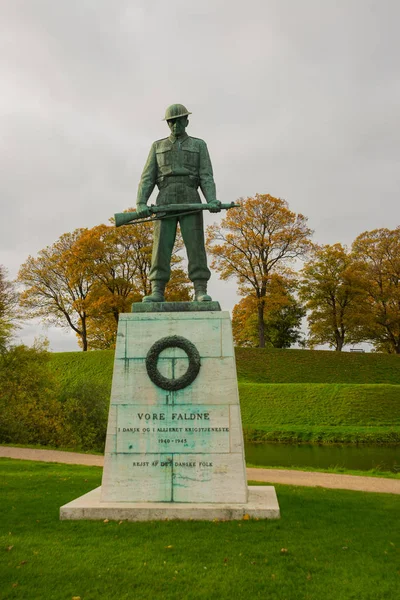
320,548
292,395
319,396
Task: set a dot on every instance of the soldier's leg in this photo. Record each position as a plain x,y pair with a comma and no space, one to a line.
163,243
192,229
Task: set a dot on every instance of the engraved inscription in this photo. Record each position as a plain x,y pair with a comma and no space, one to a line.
187,429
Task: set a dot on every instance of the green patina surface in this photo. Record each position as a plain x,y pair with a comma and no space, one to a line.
144,307
178,166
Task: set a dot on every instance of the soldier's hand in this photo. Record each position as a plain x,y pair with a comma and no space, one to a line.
215,206
142,210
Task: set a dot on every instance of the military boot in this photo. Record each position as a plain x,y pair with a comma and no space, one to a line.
157,292
200,291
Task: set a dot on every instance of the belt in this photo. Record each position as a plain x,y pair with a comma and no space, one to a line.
187,180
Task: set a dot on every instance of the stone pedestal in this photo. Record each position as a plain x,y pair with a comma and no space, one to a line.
174,444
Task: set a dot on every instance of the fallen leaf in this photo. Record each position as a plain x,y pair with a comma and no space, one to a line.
167,547
284,550
246,517
106,521
9,548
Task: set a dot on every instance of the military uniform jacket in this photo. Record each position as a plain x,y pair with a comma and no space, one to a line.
178,166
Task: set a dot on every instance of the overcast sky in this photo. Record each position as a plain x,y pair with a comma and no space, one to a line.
298,99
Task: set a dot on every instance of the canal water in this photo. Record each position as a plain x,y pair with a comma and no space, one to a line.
363,458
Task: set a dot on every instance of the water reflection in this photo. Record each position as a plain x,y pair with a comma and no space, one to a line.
386,458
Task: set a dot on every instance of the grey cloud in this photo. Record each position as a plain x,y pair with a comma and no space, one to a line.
297,99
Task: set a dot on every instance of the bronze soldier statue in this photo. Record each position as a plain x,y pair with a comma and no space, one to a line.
178,165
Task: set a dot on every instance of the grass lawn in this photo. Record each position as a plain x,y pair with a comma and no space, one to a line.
329,544
272,365
76,368
337,405
320,412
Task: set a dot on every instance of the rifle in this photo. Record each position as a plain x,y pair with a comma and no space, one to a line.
166,212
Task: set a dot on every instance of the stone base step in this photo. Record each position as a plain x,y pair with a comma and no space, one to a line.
262,504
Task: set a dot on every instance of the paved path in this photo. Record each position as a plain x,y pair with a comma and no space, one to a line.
326,480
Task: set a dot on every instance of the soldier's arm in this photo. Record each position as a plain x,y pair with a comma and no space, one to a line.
207,184
147,180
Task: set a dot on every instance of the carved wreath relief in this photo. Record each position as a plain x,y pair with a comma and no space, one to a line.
173,341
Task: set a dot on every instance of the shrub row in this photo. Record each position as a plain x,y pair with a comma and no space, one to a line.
36,409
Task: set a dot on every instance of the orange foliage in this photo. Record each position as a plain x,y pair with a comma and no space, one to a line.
252,243
377,263
331,293
88,277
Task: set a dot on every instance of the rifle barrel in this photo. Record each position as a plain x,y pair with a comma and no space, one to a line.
128,217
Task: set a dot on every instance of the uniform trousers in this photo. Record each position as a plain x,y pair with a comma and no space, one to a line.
192,230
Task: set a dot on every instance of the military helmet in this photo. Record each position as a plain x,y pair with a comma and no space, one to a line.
175,111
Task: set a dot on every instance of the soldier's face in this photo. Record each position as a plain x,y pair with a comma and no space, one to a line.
178,126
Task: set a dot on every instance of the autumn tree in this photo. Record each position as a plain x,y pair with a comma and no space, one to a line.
87,278
57,285
329,288
282,317
377,263
8,308
119,261
254,242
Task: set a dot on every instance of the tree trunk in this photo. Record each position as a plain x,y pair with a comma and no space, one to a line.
261,325
339,345
84,335
339,338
